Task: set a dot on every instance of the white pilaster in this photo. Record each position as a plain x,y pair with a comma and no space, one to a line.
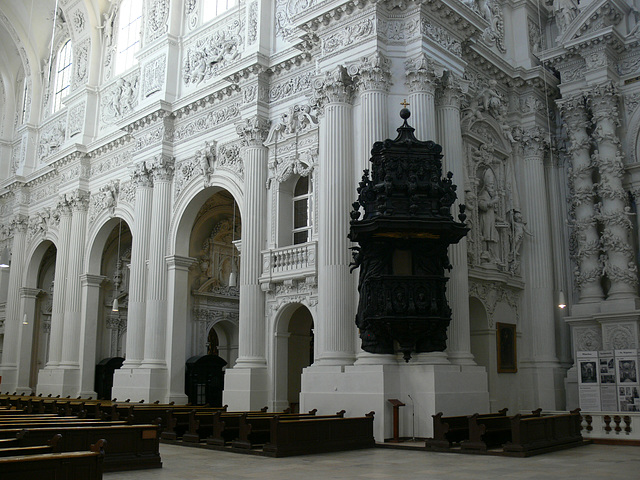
9,368
450,138
421,74
88,333
28,298
541,368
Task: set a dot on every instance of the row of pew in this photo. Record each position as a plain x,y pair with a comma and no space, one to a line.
517,435
273,434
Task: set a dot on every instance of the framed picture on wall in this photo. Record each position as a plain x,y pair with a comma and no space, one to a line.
506,345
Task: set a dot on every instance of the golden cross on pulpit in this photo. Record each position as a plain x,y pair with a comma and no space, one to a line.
404,103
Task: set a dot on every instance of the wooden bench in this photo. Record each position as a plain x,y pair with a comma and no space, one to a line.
56,466
15,449
490,432
131,447
318,435
450,431
534,435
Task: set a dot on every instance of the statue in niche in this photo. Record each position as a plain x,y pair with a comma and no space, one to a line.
206,159
487,205
564,12
518,231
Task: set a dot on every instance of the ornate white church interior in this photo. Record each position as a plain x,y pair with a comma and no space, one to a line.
176,178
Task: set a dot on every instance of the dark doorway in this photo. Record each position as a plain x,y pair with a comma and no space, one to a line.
104,376
205,380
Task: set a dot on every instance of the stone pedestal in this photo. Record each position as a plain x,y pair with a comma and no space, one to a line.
139,383
58,381
246,388
425,389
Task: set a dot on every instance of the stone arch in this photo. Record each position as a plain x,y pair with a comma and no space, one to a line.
98,233
192,199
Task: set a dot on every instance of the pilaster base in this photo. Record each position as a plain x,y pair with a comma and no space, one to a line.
9,380
148,384
541,386
425,389
59,381
245,389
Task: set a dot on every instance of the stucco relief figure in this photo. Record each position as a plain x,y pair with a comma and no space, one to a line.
490,99
518,231
487,206
107,26
564,11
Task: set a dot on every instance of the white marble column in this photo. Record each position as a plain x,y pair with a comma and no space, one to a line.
541,362
134,351
246,385
73,293
178,307
91,307
450,138
336,286
162,168
619,262
251,347
59,283
28,338
13,320
587,240
421,75
373,81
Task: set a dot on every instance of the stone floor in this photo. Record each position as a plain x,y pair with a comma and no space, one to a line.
584,463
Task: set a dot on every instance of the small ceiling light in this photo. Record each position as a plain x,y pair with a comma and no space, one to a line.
562,303
115,307
24,320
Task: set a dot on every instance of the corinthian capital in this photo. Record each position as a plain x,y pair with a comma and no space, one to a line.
63,207
533,142
422,74
374,73
162,167
19,223
253,131
78,200
141,175
451,88
603,99
335,87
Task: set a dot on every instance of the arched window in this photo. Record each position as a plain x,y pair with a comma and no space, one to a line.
64,62
128,34
302,211
213,8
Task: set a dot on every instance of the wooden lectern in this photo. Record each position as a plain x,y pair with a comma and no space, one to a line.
396,418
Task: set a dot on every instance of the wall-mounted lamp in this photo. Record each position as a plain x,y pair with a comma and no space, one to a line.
562,303
4,258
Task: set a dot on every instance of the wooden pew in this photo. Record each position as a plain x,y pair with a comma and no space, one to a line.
450,431
534,435
490,432
131,447
16,449
305,436
55,466
226,426
255,430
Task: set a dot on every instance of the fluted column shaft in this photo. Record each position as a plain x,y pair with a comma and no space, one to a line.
252,334
155,340
374,83
60,285
450,138
585,229
336,286
73,291
12,320
619,262
538,270
137,283
421,81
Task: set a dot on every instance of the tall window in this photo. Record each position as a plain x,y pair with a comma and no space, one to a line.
302,211
213,8
62,75
128,35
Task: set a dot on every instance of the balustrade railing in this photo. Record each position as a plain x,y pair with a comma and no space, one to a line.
291,261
